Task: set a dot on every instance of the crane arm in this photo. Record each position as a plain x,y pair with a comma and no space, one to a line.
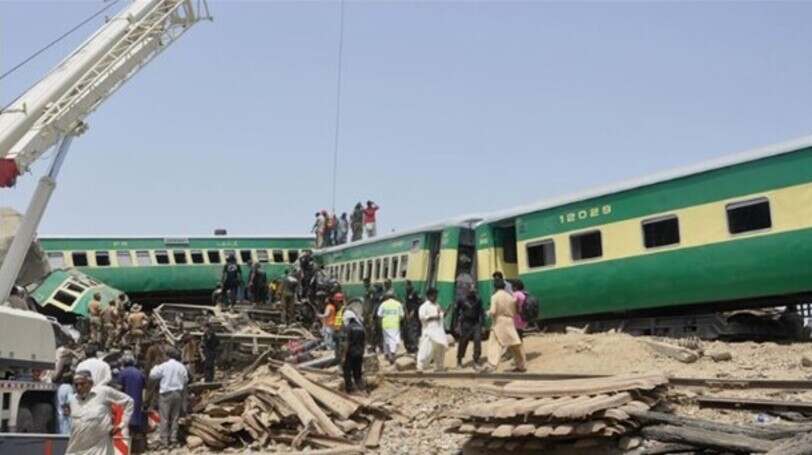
58,104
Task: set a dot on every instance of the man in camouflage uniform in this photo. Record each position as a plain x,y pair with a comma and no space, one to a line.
136,328
110,323
94,311
289,285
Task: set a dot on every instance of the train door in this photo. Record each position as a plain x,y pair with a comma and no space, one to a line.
433,248
466,269
507,253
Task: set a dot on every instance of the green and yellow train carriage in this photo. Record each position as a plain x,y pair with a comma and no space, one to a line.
157,269
427,256
731,234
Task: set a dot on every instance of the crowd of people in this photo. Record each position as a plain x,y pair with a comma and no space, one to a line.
332,230
381,323
123,370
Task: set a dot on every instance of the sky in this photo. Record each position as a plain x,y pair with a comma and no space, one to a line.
447,108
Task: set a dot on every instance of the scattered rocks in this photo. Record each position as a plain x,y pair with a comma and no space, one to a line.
806,361
720,356
405,364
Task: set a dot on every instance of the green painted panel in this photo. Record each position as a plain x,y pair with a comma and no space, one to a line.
169,278
755,267
743,179
384,247
70,244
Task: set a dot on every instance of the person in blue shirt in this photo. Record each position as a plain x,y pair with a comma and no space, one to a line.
132,381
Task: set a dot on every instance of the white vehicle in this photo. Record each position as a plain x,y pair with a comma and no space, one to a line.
51,113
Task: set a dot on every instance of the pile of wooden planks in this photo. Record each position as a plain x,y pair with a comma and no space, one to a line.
564,410
280,406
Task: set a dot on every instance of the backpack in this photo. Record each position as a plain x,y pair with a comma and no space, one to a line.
530,310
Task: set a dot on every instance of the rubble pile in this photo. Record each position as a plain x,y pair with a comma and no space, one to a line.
282,407
538,413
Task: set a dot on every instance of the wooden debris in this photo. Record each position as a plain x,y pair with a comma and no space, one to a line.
706,438
675,352
373,439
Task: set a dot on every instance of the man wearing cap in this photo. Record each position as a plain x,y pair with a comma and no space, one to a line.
94,310
390,313
137,324
173,378
91,414
98,368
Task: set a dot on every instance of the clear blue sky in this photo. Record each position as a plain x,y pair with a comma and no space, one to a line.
448,107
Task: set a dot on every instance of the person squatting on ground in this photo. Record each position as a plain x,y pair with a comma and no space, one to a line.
467,321
503,332
91,414
351,353
173,378
231,280
390,313
433,342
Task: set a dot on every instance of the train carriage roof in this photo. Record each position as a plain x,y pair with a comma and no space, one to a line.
781,148
460,221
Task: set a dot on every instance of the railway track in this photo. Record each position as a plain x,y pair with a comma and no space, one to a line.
784,384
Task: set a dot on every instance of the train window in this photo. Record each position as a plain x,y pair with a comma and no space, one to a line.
162,257
377,269
394,267
369,270
342,272
586,245
79,258
228,253
347,272
180,256
354,271
361,270
541,254
278,256
661,231
245,256
102,259
56,259
75,287
64,298
385,273
262,256
293,255
142,258
197,257
404,265
509,250
746,216
124,259
214,256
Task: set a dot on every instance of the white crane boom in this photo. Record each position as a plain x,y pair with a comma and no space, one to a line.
54,109
58,104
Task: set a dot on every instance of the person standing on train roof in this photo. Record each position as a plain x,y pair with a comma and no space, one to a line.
318,229
370,224
498,276
390,313
329,228
342,229
521,298
231,280
503,331
433,342
357,222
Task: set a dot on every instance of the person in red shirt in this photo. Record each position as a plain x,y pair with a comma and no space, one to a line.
369,219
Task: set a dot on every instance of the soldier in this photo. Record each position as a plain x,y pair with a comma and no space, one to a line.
109,319
289,285
190,354
94,310
137,324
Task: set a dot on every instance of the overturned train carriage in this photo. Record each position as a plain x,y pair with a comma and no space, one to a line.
659,255
158,269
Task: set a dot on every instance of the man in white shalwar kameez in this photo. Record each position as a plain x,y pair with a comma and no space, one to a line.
433,341
91,414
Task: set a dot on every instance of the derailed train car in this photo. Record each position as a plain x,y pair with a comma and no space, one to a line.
663,254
